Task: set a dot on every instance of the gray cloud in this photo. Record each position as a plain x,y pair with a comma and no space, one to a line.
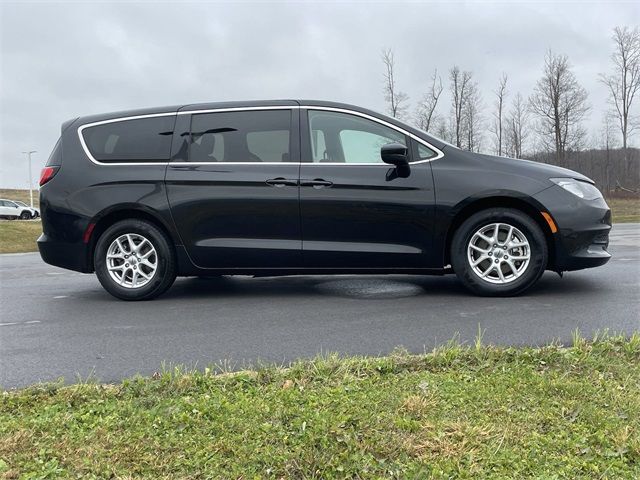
60,60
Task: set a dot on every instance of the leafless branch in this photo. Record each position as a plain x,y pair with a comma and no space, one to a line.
427,107
560,103
395,99
498,116
624,81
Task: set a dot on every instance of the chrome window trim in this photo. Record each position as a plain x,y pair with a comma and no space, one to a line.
242,109
439,153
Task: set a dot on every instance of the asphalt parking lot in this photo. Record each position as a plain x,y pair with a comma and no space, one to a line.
60,324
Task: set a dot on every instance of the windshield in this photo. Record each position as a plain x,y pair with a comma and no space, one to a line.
22,204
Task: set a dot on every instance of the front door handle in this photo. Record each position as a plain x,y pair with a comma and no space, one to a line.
281,182
316,183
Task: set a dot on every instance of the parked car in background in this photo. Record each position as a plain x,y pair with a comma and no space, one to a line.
304,187
35,212
11,210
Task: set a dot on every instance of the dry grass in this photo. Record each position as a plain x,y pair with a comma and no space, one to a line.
19,236
625,210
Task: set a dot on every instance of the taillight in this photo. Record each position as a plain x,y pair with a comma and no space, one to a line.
47,174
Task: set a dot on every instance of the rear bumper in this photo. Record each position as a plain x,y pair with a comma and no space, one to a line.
582,240
71,256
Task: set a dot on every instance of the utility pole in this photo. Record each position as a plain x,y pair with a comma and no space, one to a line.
30,178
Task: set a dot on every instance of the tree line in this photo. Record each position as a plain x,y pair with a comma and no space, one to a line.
547,125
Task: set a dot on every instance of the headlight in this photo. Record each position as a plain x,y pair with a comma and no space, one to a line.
579,188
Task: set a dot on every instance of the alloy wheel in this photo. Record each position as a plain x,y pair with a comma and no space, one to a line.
131,260
499,253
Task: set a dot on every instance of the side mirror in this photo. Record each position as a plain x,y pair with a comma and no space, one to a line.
395,154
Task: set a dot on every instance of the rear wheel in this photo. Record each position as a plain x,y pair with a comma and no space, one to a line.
499,252
134,260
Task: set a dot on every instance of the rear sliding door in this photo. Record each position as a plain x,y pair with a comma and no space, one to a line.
233,190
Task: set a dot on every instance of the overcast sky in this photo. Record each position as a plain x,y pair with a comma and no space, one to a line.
61,60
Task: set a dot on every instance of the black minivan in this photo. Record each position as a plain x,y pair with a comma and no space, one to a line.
303,187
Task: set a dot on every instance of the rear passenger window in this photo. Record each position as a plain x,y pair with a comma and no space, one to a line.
249,136
140,140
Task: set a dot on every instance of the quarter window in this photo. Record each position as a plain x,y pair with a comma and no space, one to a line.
344,138
425,153
138,140
248,136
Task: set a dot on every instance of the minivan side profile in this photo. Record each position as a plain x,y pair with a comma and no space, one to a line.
303,187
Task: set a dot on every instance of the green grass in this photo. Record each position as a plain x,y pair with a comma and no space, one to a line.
624,210
19,235
459,412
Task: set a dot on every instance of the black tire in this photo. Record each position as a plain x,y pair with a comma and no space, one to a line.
527,226
165,273
25,216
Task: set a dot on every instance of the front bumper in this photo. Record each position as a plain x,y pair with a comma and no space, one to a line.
582,239
576,250
71,256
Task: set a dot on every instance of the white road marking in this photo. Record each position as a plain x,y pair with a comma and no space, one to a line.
18,323
61,296
56,273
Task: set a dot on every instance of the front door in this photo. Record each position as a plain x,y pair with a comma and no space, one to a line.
358,212
233,190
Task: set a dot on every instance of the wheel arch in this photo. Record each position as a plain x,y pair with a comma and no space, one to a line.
105,219
526,205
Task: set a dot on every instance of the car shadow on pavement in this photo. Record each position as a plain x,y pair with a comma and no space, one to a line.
363,287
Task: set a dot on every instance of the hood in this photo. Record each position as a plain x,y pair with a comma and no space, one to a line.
528,168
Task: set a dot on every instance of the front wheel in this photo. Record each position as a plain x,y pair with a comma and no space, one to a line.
25,216
499,252
134,260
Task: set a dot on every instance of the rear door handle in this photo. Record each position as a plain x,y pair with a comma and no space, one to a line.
281,182
316,183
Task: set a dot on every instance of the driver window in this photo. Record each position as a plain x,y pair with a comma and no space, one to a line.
344,138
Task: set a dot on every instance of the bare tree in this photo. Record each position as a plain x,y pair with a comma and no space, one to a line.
624,82
608,141
472,118
427,107
517,127
441,129
560,104
459,84
498,123
395,99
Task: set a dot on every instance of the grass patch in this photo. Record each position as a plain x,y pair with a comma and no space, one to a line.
19,235
459,412
624,210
